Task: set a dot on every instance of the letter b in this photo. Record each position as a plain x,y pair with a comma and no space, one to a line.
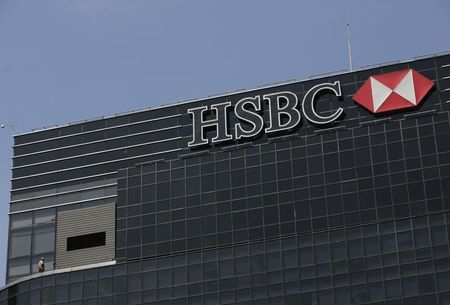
277,111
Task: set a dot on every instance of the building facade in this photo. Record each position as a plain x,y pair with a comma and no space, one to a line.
332,190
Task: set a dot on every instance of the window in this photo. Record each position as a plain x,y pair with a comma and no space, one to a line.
86,241
21,220
44,216
20,244
44,240
19,266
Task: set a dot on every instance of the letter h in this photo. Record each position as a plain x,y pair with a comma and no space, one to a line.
220,123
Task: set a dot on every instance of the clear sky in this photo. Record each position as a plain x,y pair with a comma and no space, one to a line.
68,60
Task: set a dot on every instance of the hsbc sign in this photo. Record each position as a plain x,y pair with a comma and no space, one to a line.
283,115
382,93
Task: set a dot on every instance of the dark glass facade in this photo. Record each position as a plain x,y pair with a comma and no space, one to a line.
356,212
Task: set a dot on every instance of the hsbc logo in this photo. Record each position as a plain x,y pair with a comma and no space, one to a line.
284,114
380,93
393,91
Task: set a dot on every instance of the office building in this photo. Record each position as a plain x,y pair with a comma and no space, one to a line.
331,190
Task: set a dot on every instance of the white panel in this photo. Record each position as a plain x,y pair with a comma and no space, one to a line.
379,93
406,88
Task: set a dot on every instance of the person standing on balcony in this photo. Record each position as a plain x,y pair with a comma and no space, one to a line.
42,265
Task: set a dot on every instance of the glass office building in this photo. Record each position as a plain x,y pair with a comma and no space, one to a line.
242,198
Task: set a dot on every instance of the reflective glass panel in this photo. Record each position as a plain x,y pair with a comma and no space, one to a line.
20,243
44,240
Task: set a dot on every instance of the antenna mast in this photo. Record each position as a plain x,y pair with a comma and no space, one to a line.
349,48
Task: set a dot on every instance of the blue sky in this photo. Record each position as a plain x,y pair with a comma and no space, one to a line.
68,60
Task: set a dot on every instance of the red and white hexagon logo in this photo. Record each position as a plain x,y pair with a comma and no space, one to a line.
393,91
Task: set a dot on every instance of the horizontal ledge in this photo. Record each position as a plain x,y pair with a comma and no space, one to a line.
373,122
332,129
194,154
57,271
422,113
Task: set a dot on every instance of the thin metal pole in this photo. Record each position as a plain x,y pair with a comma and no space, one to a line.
349,48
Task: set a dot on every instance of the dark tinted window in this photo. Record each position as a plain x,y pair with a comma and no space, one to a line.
86,241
